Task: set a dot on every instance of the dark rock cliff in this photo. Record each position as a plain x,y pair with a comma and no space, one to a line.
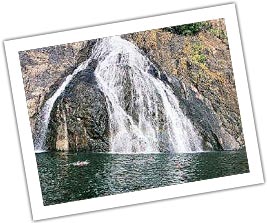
44,69
200,72
79,119
197,67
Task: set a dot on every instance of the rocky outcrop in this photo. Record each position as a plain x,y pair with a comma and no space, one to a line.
44,69
200,71
205,119
197,68
79,120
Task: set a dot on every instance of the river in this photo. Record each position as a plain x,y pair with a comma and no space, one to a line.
63,180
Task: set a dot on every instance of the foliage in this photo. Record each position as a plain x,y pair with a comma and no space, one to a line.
197,53
194,28
188,29
219,33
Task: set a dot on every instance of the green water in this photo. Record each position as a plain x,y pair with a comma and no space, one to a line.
107,174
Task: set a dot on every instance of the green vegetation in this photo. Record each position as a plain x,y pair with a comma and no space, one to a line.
188,29
219,33
197,54
194,28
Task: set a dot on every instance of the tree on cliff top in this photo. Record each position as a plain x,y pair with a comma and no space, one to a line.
188,29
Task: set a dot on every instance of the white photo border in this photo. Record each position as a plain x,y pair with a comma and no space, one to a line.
39,211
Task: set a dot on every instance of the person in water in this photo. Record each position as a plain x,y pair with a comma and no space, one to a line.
81,163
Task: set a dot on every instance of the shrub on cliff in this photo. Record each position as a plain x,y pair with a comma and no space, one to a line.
188,29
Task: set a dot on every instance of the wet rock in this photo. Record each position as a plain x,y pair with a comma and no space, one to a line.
80,116
198,69
199,110
44,69
201,75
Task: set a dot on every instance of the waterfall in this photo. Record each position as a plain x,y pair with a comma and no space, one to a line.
144,113
44,115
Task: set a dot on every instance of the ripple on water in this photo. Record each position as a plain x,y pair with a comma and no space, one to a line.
69,177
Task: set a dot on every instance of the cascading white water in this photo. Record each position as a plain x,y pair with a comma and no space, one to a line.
44,115
144,113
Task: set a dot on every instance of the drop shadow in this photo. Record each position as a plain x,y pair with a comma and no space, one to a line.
16,124
250,93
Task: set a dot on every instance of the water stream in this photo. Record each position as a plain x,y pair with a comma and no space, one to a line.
44,116
144,113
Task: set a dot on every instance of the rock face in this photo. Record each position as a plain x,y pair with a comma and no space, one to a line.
200,72
204,118
79,120
44,69
197,68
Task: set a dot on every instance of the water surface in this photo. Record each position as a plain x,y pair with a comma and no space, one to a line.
106,174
